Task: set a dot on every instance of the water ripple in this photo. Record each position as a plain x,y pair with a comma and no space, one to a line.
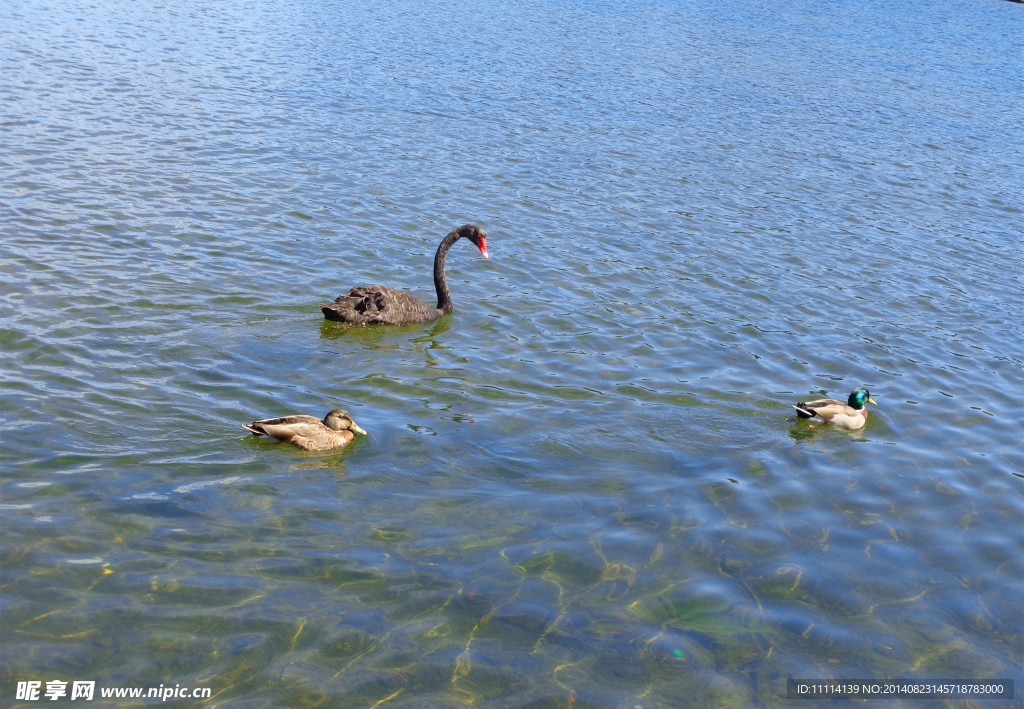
584,485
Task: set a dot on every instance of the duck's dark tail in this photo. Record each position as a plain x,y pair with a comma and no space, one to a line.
804,411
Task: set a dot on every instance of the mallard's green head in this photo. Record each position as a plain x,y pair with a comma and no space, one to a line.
858,397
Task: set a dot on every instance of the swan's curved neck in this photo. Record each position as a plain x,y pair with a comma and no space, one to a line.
444,296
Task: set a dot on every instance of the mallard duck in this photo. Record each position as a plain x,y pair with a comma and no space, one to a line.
851,415
309,433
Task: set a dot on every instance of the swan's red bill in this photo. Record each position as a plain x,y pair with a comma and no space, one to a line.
483,247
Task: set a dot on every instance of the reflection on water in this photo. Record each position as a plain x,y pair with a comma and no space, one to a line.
585,487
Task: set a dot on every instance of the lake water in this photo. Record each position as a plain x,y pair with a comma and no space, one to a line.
583,488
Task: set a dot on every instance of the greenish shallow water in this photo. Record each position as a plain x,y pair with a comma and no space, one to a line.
584,487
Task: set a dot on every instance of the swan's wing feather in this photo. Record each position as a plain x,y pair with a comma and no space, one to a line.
378,305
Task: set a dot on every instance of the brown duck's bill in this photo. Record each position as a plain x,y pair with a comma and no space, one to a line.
356,429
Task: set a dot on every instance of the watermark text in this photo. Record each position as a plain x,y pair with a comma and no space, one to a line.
52,690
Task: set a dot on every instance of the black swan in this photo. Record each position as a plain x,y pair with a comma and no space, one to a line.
308,432
387,306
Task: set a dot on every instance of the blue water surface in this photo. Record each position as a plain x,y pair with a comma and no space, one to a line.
583,488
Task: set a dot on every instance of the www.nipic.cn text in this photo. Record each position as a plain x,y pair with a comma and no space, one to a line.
34,690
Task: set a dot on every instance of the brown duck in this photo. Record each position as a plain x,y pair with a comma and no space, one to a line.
309,433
